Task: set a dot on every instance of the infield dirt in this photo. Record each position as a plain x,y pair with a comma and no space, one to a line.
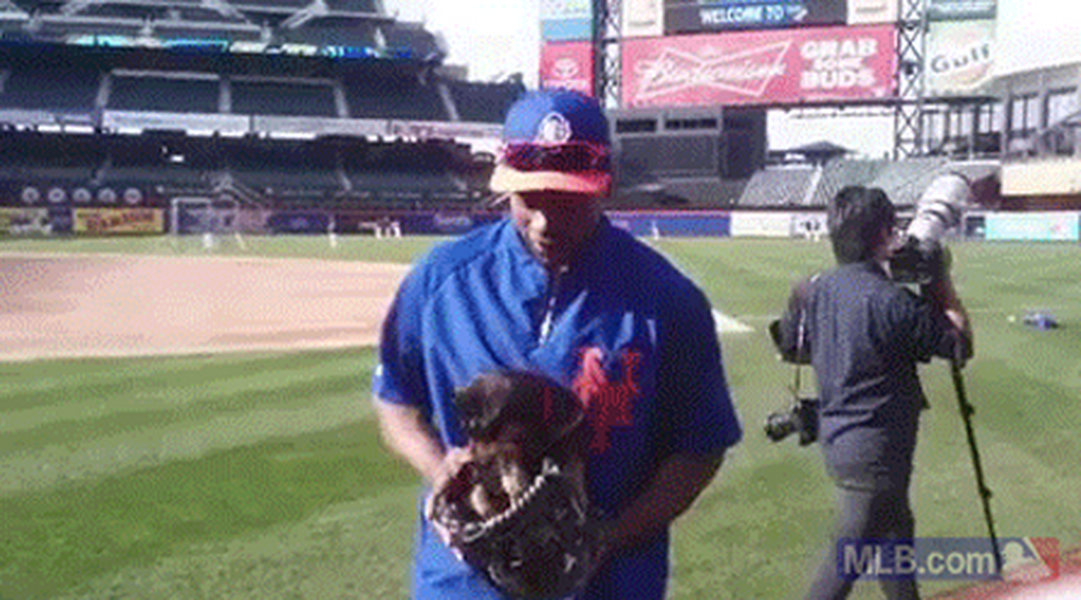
78,306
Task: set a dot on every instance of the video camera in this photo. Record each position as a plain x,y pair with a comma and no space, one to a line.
802,418
921,257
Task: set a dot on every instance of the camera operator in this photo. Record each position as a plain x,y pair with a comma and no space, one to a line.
864,335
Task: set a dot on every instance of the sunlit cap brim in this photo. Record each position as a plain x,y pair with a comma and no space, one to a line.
506,179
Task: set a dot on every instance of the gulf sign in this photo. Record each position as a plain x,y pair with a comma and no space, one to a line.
780,67
567,65
960,57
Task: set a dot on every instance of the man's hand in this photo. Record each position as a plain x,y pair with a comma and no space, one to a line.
941,261
607,543
943,296
676,484
407,433
788,333
446,473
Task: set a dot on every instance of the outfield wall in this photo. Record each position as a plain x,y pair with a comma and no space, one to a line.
673,223
1060,226
778,224
1057,226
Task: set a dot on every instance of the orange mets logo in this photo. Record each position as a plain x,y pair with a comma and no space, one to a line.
608,404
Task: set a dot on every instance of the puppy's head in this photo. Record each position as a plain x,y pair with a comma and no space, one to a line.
522,408
514,420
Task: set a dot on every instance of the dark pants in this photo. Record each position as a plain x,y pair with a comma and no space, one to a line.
867,511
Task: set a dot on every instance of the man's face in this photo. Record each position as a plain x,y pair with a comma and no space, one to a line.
555,225
892,240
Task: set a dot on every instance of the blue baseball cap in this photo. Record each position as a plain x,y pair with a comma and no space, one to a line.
555,140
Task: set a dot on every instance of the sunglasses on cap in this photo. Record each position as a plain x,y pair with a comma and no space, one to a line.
571,157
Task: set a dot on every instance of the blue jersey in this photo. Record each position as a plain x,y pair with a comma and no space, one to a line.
632,336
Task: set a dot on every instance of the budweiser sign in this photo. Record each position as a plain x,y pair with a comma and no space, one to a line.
774,67
747,73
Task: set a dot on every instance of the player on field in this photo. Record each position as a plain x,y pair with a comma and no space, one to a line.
556,289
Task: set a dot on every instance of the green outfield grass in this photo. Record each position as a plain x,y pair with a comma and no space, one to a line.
355,247
262,475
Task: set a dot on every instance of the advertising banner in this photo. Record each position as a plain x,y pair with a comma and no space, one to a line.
762,224
778,224
1037,226
567,65
961,10
642,18
960,56
689,16
791,66
25,221
810,226
108,221
299,222
673,224
138,120
566,20
870,12
1041,178
442,130
444,222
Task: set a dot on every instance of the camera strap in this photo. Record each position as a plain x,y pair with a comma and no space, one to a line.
796,381
801,340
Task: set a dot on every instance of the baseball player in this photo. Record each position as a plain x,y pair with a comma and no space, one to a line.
557,290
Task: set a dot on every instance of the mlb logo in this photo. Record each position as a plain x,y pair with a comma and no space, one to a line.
1029,559
1024,560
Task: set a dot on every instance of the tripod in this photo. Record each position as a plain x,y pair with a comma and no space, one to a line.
967,410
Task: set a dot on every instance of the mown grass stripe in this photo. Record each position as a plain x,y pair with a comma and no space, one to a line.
61,463
163,386
57,538
114,432
329,554
158,411
47,383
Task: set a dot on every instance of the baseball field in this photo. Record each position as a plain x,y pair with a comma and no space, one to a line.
183,421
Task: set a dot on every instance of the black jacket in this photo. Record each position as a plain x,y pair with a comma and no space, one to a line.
864,335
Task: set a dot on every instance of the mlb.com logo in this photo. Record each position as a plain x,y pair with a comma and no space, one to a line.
1023,559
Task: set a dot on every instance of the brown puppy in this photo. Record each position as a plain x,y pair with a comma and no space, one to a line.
514,420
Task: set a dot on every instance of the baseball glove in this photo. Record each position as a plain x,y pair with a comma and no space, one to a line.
517,509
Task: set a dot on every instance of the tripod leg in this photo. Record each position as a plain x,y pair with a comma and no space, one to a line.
985,493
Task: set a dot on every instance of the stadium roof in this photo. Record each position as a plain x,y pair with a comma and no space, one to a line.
821,147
